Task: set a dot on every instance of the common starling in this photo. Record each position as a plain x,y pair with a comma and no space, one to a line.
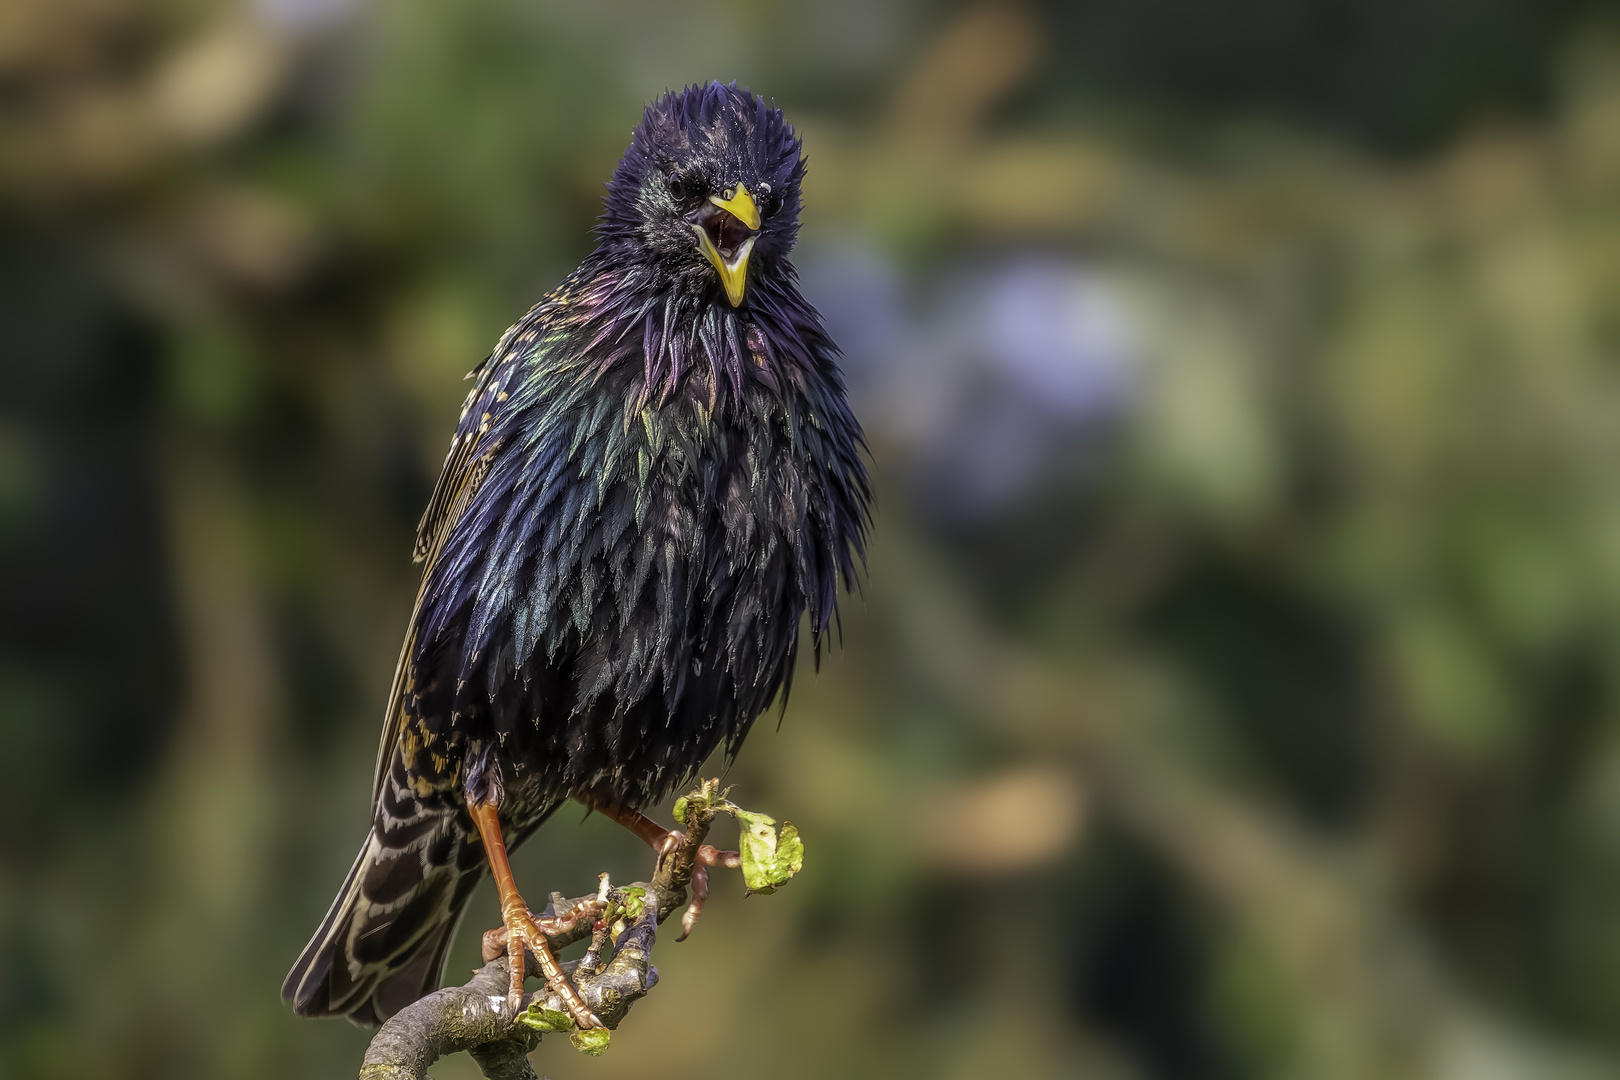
655,476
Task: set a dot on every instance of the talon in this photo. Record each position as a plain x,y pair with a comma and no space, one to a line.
494,943
514,963
665,846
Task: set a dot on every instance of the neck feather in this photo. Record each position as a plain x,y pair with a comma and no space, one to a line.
678,329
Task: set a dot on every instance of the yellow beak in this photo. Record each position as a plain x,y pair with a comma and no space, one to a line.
733,272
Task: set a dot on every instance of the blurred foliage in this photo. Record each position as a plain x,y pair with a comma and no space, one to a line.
1236,690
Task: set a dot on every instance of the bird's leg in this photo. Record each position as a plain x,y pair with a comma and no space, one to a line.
660,839
663,841
521,929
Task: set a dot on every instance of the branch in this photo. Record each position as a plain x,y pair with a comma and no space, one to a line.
624,921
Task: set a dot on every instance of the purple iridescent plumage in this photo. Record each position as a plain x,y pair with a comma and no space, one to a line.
648,490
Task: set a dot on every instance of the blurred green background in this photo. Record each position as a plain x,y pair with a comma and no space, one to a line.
1236,688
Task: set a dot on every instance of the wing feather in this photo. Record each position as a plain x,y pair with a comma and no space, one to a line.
472,451
464,470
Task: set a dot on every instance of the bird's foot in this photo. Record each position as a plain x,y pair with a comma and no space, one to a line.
522,932
494,942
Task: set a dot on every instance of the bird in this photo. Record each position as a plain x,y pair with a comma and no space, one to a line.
655,487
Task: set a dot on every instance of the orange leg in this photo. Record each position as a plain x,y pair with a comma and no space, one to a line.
521,929
653,834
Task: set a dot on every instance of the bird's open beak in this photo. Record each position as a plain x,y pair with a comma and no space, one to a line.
726,231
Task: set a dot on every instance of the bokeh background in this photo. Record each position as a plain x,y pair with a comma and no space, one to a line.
1235,691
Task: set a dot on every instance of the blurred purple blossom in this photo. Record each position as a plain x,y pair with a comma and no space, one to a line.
993,381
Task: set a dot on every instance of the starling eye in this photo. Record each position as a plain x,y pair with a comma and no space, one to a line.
677,186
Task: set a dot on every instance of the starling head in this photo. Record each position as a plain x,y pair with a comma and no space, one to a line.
708,192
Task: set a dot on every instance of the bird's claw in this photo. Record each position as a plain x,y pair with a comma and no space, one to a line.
522,933
494,942
665,846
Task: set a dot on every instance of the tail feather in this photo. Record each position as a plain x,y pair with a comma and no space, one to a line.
305,985
416,979
384,941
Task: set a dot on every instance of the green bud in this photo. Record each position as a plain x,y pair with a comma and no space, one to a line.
593,1042
545,1019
